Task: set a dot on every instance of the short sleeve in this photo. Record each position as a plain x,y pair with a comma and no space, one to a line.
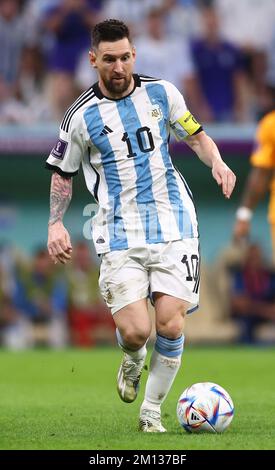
67,154
182,122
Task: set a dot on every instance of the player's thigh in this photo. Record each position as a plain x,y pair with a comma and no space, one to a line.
170,314
123,280
177,273
133,321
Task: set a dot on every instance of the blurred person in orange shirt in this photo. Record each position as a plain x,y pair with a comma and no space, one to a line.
261,179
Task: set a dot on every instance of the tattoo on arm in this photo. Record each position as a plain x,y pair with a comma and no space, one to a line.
60,197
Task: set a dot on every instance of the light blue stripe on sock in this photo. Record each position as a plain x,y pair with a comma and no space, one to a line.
169,347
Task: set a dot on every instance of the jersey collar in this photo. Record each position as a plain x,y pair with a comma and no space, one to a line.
99,94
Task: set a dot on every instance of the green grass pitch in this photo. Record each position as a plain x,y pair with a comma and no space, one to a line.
68,400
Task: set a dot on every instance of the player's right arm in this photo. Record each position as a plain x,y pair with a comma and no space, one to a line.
59,243
64,160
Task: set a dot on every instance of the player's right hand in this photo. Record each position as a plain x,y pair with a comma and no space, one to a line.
59,243
241,230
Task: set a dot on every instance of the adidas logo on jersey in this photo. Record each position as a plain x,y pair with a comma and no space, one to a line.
100,240
106,130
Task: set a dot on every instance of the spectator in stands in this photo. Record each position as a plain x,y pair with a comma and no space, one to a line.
253,294
155,50
90,321
8,314
70,24
31,86
10,107
34,12
133,12
183,17
14,329
249,25
270,75
85,75
28,103
41,297
13,37
220,73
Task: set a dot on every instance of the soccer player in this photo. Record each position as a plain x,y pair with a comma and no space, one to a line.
261,179
146,228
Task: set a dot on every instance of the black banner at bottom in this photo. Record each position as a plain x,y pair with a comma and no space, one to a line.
122,459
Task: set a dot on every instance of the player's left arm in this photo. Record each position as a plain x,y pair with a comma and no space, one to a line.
208,153
185,127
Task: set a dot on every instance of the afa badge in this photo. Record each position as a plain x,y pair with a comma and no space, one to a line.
156,112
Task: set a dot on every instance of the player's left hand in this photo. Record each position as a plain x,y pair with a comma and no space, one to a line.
224,177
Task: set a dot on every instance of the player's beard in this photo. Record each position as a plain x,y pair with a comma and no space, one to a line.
117,87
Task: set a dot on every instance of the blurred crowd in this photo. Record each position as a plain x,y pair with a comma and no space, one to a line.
219,53
47,305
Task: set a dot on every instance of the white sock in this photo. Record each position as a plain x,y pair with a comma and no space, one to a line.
164,366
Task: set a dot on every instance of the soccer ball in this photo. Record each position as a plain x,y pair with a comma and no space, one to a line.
205,407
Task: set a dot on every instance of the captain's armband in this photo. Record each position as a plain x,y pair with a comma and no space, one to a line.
185,126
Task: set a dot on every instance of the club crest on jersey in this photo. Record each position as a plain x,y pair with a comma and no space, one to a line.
59,149
156,112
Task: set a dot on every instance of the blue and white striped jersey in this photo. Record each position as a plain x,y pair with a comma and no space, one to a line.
123,148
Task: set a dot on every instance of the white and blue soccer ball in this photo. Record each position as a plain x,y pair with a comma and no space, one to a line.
205,407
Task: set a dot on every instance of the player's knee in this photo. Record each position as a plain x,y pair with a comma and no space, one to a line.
171,328
170,322
135,338
170,331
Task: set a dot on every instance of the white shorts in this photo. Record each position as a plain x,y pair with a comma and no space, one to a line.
172,268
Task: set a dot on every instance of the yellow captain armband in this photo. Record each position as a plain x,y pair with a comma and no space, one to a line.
185,126
189,123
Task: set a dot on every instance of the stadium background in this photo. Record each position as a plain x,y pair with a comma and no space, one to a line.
66,399
25,189
24,209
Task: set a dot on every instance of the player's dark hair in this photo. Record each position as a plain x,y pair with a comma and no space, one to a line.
109,31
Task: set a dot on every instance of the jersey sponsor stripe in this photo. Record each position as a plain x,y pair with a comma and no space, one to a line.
146,78
189,205
97,181
182,217
72,106
118,237
197,284
84,98
94,177
185,184
75,103
145,198
189,192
